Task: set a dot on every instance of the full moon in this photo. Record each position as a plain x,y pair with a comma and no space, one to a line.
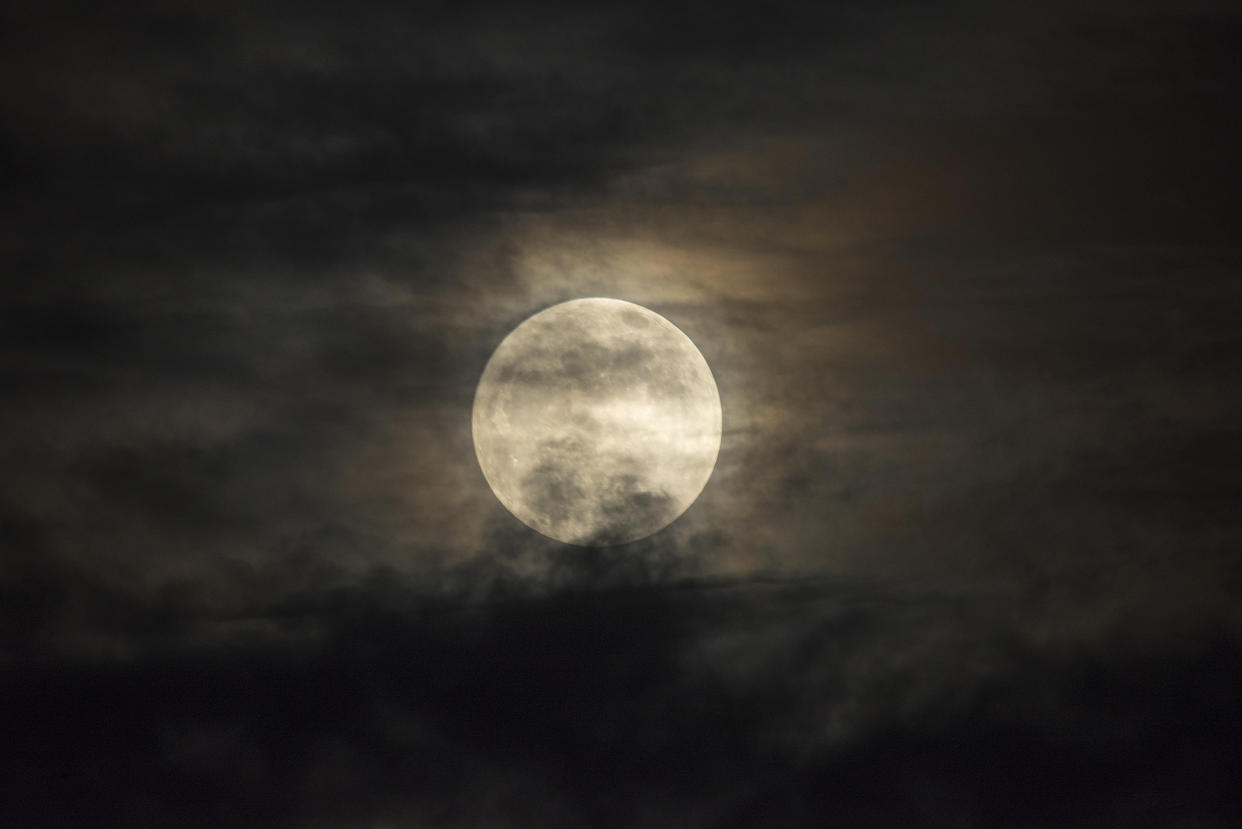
597,422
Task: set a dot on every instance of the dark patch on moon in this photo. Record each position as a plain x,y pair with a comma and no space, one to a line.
635,319
559,493
587,366
553,492
629,503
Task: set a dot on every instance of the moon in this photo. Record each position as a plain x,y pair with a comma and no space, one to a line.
597,422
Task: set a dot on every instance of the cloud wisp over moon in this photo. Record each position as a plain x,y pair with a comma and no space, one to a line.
597,422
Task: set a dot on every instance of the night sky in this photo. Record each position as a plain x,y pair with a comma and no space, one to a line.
968,276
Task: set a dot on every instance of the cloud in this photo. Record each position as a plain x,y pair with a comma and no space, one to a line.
738,704
967,284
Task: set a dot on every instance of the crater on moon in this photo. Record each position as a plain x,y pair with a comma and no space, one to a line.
597,422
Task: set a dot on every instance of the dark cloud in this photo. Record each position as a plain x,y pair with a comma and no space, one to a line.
581,363
729,704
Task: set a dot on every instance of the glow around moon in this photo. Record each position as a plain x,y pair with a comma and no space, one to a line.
597,422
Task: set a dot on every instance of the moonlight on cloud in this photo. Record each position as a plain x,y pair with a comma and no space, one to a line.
597,422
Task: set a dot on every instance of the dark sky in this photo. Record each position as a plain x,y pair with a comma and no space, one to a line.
969,277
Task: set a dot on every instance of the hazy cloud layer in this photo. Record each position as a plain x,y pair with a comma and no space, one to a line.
643,704
967,279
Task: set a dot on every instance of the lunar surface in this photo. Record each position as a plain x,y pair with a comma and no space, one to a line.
597,422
